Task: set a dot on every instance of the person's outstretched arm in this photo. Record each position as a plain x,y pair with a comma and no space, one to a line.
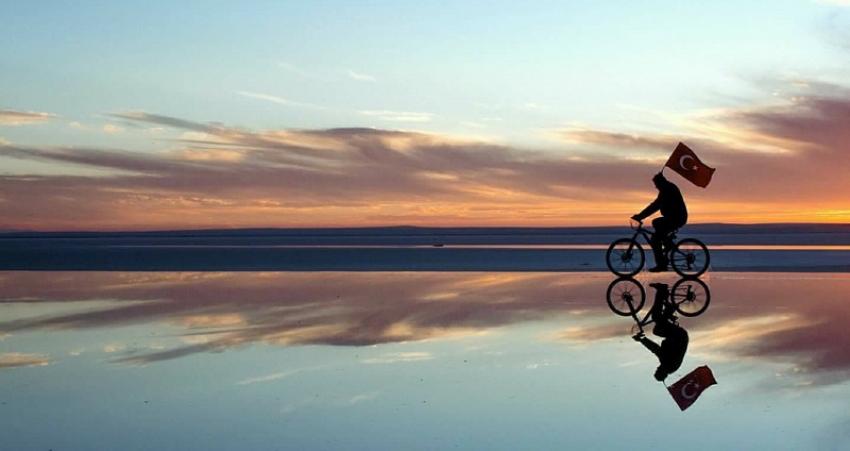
651,345
650,209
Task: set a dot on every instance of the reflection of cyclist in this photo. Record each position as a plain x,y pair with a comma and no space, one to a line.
674,215
672,349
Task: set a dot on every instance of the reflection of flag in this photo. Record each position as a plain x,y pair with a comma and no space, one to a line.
687,389
685,162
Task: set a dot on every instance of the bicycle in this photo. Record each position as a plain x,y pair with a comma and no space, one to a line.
626,297
625,257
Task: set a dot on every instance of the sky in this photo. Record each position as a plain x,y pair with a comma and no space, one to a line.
121,116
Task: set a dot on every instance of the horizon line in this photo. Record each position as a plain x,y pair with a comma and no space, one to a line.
405,226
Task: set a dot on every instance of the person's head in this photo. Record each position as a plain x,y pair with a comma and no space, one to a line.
658,180
660,374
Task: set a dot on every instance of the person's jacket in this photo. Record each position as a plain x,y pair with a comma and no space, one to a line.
672,350
670,202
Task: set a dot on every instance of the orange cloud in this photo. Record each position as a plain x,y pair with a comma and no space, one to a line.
777,163
14,118
230,177
17,359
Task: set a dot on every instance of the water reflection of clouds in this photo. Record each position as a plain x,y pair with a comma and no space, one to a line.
18,359
224,310
798,318
803,319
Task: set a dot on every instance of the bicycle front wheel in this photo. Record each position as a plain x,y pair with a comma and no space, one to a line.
625,257
689,258
625,296
691,296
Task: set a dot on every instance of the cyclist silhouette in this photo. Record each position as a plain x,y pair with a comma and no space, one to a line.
672,349
674,215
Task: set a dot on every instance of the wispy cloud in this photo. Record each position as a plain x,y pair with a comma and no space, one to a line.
398,116
356,399
290,171
400,357
617,139
112,129
267,97
14,118
309,311
790,153
17,359
290,318
114,347
769,158
278,100
270,377
361,76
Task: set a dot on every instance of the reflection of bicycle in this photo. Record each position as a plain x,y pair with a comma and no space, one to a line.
626,297
625,257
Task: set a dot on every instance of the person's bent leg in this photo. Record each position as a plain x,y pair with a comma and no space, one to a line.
662,231
662,294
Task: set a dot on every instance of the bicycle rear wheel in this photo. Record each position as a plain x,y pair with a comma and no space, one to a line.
689,257
625,257
691,296
625,296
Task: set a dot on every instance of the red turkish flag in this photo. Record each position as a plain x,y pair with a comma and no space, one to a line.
687,389
685,162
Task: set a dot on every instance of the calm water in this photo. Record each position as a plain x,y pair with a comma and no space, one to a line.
384,360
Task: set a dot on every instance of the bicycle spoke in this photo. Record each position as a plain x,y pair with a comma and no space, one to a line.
690,257
625,297
624,257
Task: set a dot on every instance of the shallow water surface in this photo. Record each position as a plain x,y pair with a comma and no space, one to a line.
399,360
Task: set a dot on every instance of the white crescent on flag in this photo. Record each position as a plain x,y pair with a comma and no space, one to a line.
688,389
693,393
682,163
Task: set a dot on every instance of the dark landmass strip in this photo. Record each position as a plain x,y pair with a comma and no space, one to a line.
404,249
716,234
236,258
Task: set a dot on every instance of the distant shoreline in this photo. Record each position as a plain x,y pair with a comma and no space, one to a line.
407,229
388,258
760,247
725,234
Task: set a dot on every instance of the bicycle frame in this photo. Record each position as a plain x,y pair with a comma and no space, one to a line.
640,231
647,236
688,257
647,318
674,297
645,321
689,297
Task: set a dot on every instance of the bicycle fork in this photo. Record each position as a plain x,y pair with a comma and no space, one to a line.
634,315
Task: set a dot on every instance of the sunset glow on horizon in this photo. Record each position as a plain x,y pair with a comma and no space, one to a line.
336,114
